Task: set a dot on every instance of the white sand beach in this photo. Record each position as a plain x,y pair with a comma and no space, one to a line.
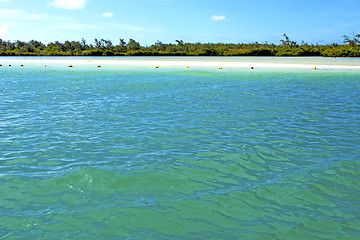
310,63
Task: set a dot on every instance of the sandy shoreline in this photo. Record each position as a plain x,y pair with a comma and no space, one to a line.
178,62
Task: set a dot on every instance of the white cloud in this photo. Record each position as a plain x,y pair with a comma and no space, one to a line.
218,17
69,4
4,30
107,14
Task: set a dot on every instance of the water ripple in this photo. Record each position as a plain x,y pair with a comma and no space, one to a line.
179,155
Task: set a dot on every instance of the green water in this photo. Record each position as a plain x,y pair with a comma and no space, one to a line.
174,154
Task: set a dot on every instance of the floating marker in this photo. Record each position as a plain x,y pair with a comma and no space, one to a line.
251,67
220,67
9,65
314,68
98,66
21,65
44,65
156,66
70,65
187,67
0,65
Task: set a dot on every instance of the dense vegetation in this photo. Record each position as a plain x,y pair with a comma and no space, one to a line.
102,47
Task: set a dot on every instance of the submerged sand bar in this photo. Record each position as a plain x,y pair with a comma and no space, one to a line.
192,62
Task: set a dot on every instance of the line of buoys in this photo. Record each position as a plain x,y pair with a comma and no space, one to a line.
99,66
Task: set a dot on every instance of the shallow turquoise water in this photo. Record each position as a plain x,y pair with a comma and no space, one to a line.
173,154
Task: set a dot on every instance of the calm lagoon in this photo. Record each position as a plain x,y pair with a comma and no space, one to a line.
128,151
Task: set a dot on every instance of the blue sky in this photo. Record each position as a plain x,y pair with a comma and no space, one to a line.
203,21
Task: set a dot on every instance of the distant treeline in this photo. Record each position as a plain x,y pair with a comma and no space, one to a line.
102,47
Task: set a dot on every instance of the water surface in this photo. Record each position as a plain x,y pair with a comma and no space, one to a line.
179,154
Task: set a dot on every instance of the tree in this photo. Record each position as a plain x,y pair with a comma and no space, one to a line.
97,43
352,42
287,42
180,42
27,48
160,46
357,39
133,45
19,44
68,46
122,43
57,46
106,43
36,44
121,47
83,44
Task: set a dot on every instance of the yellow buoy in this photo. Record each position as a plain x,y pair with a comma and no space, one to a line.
9,65
70,66
251,67
220,67
21,65
0,65
156,66
314,68
98,66
44,65
187,67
